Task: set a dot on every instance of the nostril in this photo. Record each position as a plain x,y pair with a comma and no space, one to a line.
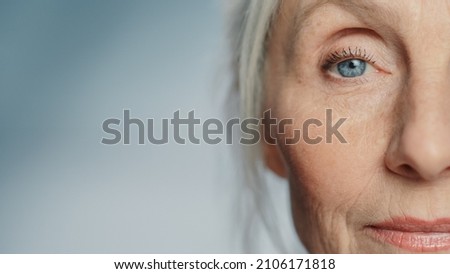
405,168
408,170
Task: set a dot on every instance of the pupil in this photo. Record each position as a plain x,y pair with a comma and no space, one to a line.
351,68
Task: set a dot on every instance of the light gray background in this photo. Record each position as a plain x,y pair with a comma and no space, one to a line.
65,66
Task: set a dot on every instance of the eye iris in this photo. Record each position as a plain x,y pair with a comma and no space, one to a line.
351,68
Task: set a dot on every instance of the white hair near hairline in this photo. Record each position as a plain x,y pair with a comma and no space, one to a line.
251,21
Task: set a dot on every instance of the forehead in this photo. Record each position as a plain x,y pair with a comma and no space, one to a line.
371,8
371,11
408,19
365,10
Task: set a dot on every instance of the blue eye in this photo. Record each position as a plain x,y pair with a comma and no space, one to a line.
351,68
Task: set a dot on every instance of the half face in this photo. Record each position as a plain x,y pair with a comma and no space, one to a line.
385,67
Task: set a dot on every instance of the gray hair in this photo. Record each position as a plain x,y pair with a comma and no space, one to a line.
250,27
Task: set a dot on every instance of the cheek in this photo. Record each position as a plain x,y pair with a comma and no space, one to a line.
332,184
336,172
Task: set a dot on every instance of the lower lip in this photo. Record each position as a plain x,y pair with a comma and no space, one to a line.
412,241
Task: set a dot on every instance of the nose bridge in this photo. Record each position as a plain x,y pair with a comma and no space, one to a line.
428,89
429,72
427,101
425,138
420,148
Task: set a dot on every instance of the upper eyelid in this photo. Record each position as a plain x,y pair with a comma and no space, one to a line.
381,46
381,67
346,54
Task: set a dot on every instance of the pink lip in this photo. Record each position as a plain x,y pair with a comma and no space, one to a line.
413,234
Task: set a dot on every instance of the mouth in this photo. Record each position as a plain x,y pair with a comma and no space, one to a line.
413,234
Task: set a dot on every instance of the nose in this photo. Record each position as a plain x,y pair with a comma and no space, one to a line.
420,149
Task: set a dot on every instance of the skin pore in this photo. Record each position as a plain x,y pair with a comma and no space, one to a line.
385,66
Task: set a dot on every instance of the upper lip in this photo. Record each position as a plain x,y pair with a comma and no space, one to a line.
411,224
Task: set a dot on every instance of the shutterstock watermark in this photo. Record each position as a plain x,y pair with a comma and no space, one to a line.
214,131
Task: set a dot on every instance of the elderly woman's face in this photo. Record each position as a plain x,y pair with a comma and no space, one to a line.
385,66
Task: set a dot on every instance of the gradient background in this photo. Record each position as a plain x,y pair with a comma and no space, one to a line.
65,67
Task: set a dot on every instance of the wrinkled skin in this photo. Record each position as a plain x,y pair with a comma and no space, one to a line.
396,160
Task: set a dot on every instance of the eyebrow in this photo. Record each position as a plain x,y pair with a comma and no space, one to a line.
368,12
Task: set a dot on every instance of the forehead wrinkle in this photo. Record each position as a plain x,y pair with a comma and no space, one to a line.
368,12
299,19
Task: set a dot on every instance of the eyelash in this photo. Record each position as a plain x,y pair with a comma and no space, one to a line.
346,54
